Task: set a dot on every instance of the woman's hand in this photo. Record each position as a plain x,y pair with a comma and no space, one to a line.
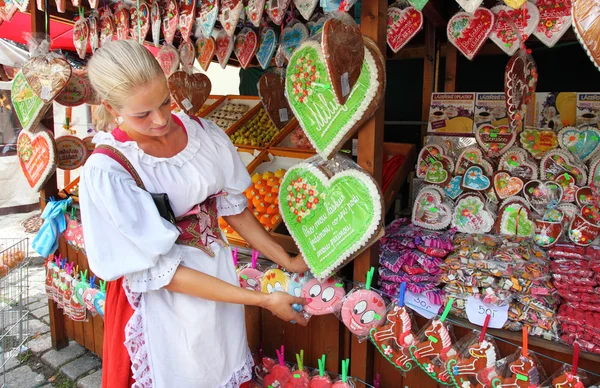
296,264
280,304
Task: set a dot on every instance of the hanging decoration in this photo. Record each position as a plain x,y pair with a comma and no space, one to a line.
187,15
122,22
271,89
94,25
267,46
205,51
245,46
155,22
81,33
555,20
208,14
306,7
224,47
189,91
231,10
276,10
254,11
140,22
586,23
107,27
402,26
71,152
525,20
170,21
168,58
37,157
468,32
187,55
294,34
520,80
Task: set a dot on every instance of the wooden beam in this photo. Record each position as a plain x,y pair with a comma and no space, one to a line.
429,86
432,12
451,59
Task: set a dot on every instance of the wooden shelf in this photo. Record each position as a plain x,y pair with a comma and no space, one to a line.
409,152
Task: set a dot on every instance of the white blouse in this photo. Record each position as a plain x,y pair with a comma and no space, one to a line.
175,340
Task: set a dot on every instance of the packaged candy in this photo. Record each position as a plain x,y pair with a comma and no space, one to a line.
275,279
321,380
279,375
327,296
344,381
250,276
301,377
477,352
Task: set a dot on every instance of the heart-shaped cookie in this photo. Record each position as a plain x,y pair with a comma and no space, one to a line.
402,26
94,25
37,157
515,219
470,156
520,80
81,34
71,152
468,32
542,196
538,142
77,91
569,186
315,26
224,47
107,27
294,34
429,211
266,48
471,216
140,22
330,218
475,179
276,10
326,123
47,76
208,14
469,5
344,53
122,22
187,17
584,196
591,213
231,10
306,7
28,106
189,91
170,21
428,155
586,23
524,19
168,58
437,174
254,11
556,163
452,188
205,51
555,20
594,179
506,185
495,140
246,44
582,142
582,232
155,22
271,89
516,162
187,55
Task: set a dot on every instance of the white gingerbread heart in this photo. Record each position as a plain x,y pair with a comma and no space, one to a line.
524,20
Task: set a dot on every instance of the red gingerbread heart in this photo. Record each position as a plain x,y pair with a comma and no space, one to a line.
122,23
402,26
468,32
81,33
170,21
224,48
245,46
140,21
187,15
168,57
37,157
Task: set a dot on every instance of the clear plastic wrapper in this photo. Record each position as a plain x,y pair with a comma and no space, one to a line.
565,378
430,211
582,306
327,296
582,232
320,379
344,381
516,370
475,354
387,275
275,280
391,288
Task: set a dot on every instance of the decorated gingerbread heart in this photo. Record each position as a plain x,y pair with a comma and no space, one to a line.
47,76
506,185
266,48
470,156
254,11
37,157
547,233
437,174
429,211
276,10
327,296
94,26
170,21
471,216
231,11
308,88
538,142
586,23
469,5
524,19
556,162
591,213
140,22
495,140
475,179
555,20
187,56
516,162
245,45
294,34
81,34
427,156
569,186
107,27
582,142
520,81
187,17
271,89
582,232
315,26
122,22
515,218
453,188
402,26
469,31
77,91
168,58
343,51
189,91
594,179
363,310
208,14
205,51
155,22
28,106
224,47
584,196
542,195
306,7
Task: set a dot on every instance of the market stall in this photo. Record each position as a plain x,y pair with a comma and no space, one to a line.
502,191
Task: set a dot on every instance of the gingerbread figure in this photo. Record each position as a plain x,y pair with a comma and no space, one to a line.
480,355
392,340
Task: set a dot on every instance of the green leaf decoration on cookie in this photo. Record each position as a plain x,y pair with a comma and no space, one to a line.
329,218
309,92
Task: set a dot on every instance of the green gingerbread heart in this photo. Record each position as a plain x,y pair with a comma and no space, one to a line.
436,173
309,92
329,218
515,221
28,106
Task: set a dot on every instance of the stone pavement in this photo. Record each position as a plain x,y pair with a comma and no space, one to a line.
39,365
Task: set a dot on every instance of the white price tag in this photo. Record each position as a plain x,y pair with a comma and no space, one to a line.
283,115
420,304
477,310
354,147
45,92
187,105
345,84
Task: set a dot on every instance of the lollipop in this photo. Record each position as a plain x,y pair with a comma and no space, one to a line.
326,296
251,277
300,376
344,382
363,309
275,280
279,375
322,380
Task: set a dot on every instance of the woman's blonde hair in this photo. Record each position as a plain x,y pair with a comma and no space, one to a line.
115,70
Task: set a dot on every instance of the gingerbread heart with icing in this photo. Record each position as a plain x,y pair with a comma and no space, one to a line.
469,31
582,142
586,23
542,196
475,179
81,34
429,211
276,10
569,186
107,28
428,155
594,179
556,162
94,25
266,48
453,188
515,219
524,19
208,14
246,44
224,48
254,11
205,51
170,21
402,26
555,20
37,157
517,163
187,55
187,17
469,5
47,76
168,58
189,91
520,81
294,34
306,7
271,89
122,22
140,22
470,156
495,140
547,233
437,174
584,196
506,185
591,213
231,11
582,232
538,142
155,22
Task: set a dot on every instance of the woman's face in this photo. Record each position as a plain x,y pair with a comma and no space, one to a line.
148,110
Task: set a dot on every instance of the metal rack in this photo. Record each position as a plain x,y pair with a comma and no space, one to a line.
14,298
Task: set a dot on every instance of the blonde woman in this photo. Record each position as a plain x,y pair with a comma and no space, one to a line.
174,313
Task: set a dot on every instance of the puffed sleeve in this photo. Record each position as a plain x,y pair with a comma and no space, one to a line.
123,231
235,175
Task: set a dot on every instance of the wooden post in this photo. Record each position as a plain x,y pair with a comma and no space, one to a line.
451,59
370,157
429,86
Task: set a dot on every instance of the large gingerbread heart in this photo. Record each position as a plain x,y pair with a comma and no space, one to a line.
189,91
155,22
468,32
308,86
582,142
515,219
586,23
542,196
495,140
306,7
37,157
429,211
276,10
569,186
231,11
77,91
520,80
266,48
71,152
246,44
168,58
271,89
555,20
107,28
556,162
294,34
254,11
187,56
475,179
506,185
47,76
525,20
187,17
471,216
140,22
538,142
402,26
28,106
344,53
329,218
170,21
224,47
205,51
516,162
122,22
470,156
208,14
81,34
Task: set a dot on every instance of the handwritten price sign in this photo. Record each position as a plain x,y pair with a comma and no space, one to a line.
477,310
420,304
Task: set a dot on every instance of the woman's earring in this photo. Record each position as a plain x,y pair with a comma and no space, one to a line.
119,120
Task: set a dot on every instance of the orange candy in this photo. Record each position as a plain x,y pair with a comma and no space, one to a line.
256,201
275,219
273,209
272,181
265,219
275,189
261,207
263,191
270,198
